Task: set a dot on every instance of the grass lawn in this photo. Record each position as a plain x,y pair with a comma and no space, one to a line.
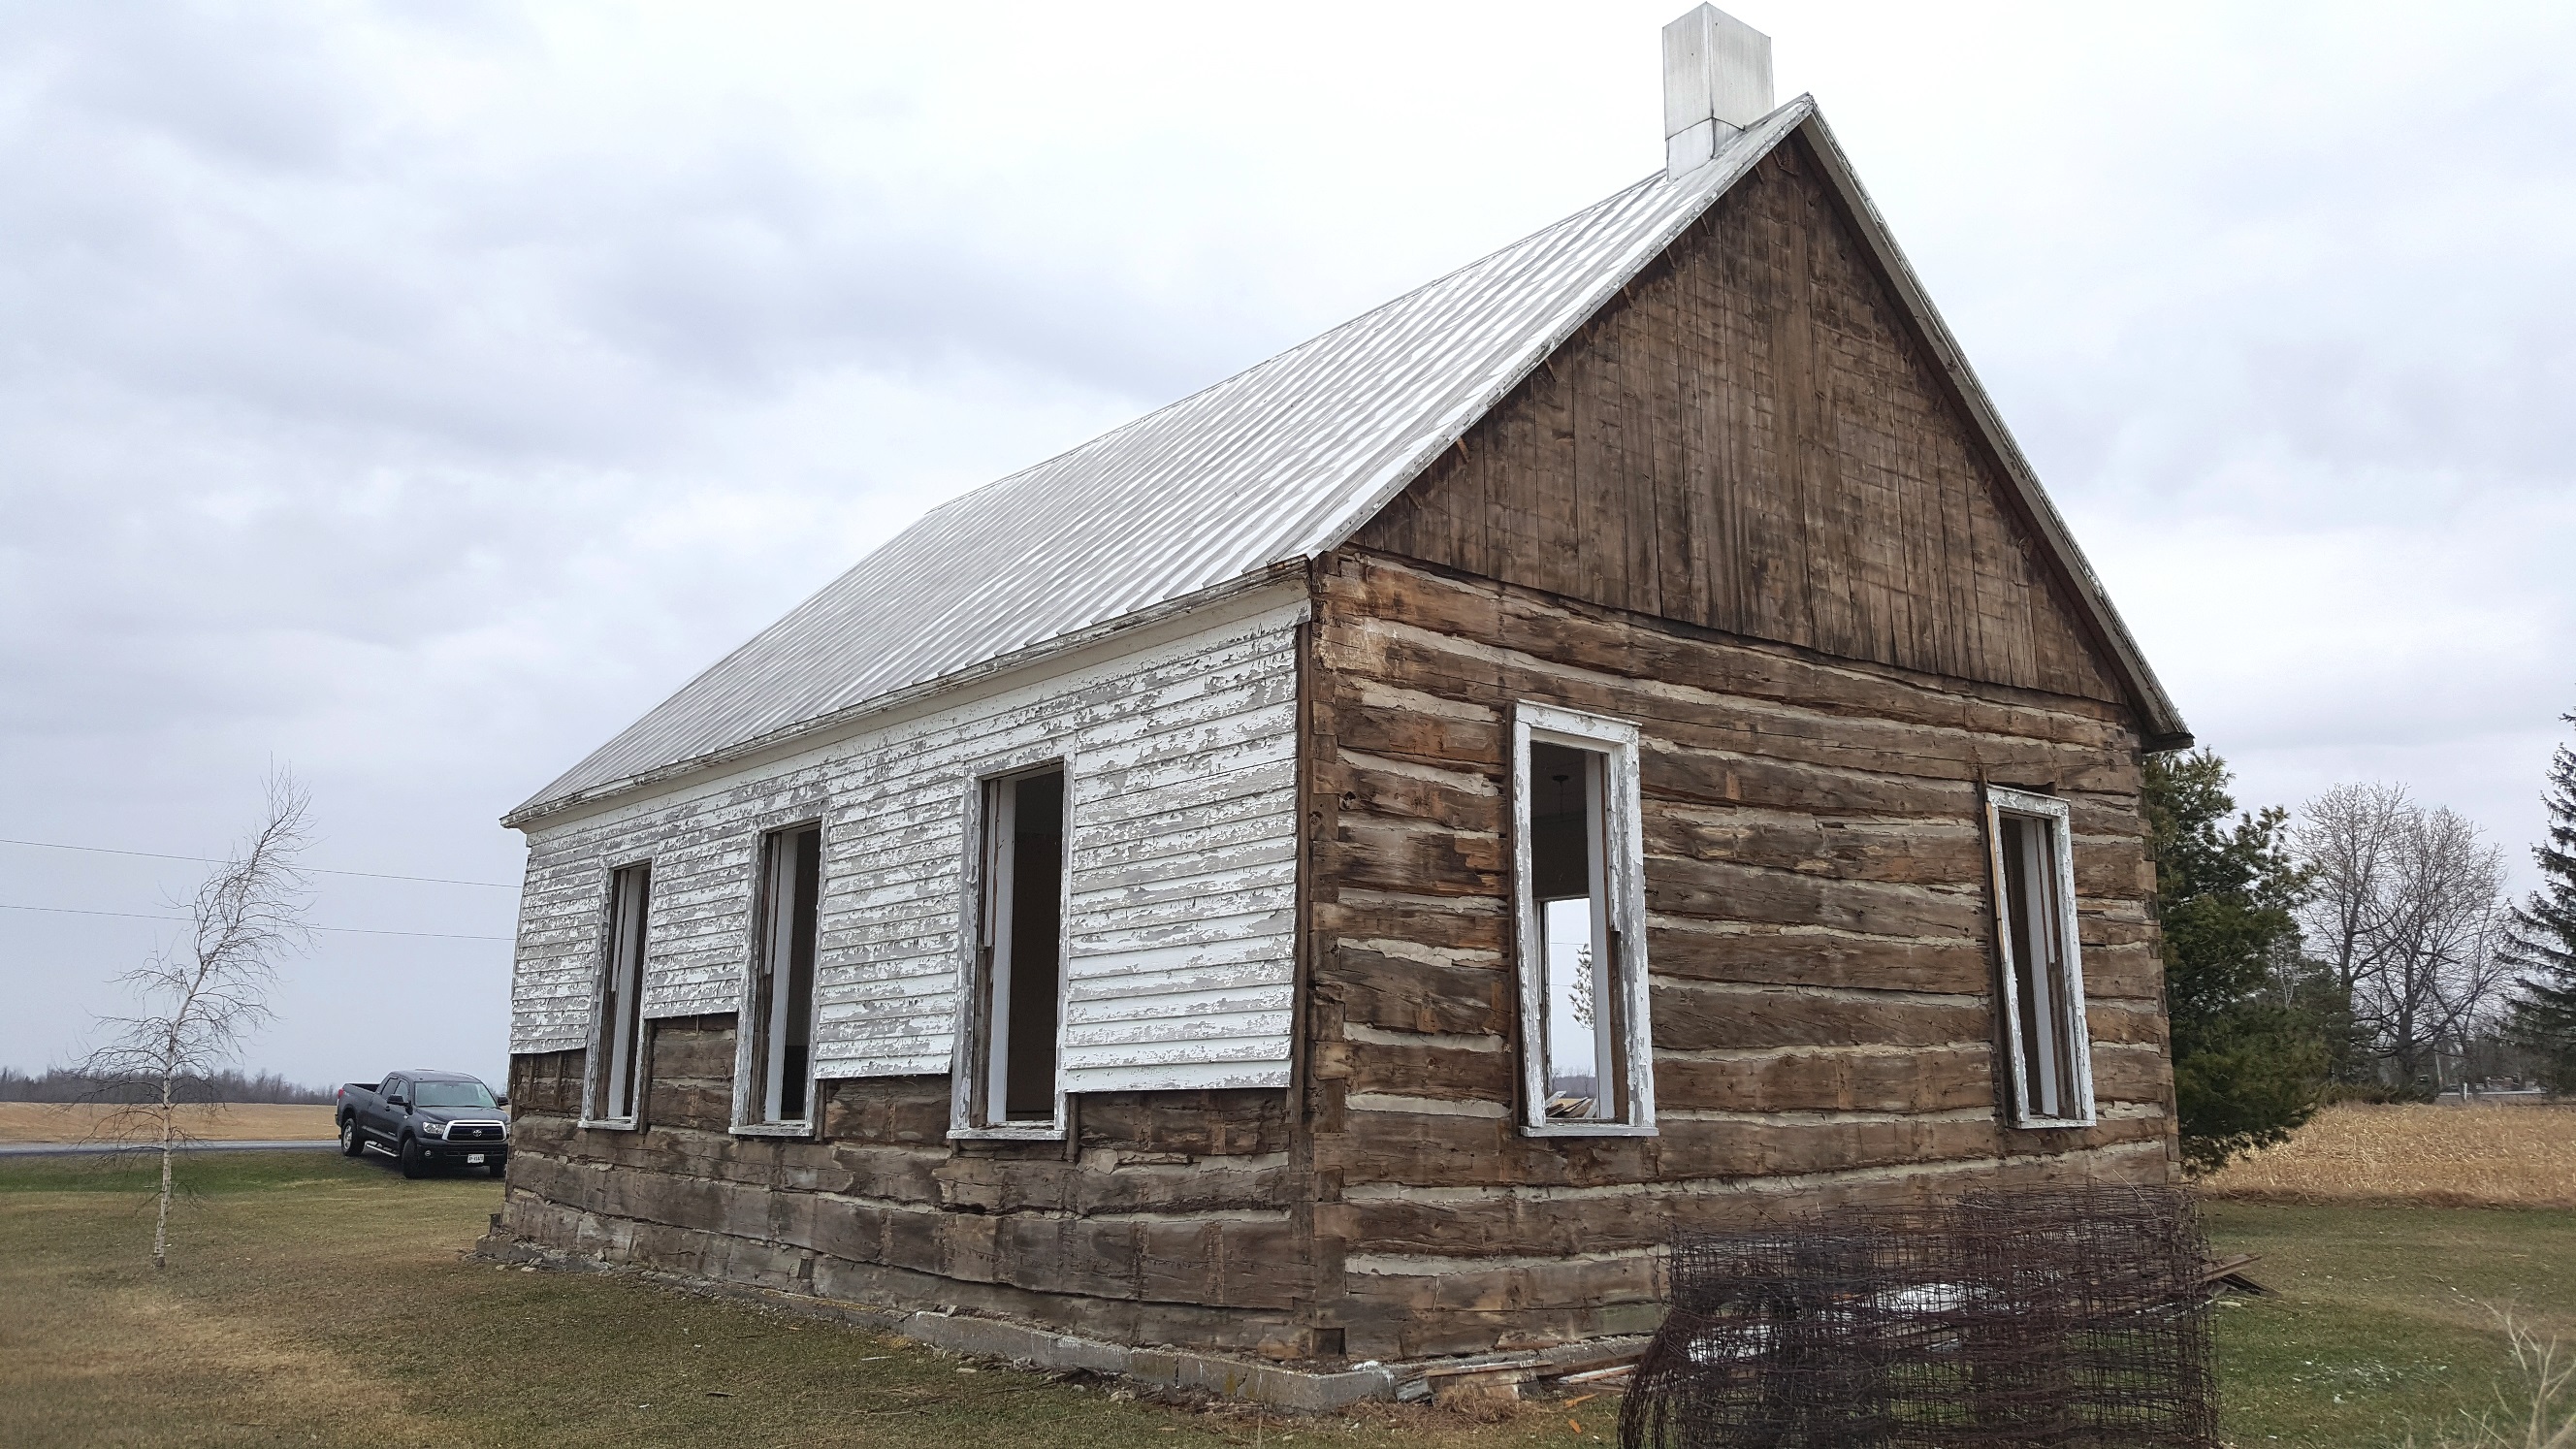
314,1300
2382,1327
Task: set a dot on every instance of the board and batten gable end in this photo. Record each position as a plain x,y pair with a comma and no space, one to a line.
1179,761
1677,391
2162,721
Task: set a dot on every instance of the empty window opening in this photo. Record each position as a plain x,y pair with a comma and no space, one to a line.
2043,973
782,986
1579,886
619,1030
1570,889
1020,946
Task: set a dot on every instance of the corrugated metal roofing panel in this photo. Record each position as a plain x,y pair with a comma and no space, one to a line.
1275,463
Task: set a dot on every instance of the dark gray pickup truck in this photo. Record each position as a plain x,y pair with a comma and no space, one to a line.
427,1120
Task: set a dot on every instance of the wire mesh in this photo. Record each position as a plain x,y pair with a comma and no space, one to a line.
2072,1317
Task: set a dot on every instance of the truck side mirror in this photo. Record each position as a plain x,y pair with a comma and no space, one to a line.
502,1100
398,1101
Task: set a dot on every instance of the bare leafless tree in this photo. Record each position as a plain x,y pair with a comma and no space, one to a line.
2437,976
201,997
2405,918
2348,837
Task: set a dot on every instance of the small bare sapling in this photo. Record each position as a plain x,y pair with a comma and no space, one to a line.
199,998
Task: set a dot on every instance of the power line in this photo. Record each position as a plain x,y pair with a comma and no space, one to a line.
335,930
305,869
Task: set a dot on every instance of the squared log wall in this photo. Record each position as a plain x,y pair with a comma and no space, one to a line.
1744,508
1167,1219
1819,947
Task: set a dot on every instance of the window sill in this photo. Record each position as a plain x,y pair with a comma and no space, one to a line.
1588,1129
2054,1124
1032,1132
774,1129
608,1124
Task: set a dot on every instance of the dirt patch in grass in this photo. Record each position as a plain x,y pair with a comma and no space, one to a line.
229,1377
22,1122
2479,1156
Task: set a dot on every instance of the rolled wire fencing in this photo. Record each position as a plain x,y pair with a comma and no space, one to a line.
2074,1317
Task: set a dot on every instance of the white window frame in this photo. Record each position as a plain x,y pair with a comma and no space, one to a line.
597,1067
2000,803
1624,884
750,1118
975,1062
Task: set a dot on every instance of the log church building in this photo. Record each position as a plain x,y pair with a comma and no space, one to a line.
1342,867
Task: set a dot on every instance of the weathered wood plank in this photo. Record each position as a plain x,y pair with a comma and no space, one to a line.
1799,1079
1416,992
1702,950
1706,1016
1455,1151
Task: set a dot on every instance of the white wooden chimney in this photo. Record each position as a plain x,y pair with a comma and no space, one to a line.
1717,81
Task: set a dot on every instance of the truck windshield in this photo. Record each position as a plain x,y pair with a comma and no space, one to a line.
451,1094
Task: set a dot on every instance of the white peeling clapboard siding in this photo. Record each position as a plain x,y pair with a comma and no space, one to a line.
562,909
1181,779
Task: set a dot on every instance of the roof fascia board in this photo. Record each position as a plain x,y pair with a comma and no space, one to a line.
1727,168
1243,597
2165,729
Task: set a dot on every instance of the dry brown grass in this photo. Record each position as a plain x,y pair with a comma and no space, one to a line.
233,1122
2483,1156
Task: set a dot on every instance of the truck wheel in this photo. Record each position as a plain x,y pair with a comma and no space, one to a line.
353,1143
500,1169
412,1165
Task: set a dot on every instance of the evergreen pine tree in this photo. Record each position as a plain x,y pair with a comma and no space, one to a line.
2541,941
2248,1066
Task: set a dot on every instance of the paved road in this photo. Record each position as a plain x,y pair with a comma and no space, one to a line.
95,1149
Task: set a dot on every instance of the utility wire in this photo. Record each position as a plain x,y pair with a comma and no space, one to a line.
335,930
302,869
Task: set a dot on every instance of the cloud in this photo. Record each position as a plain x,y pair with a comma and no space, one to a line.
420,394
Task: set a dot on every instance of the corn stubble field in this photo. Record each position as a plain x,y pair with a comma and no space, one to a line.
314,1300
2478,1156
230,1122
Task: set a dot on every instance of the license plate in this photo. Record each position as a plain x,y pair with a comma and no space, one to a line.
474,1157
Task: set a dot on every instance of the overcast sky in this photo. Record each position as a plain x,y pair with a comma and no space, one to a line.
417,394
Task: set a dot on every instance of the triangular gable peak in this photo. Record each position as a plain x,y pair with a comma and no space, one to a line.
1759,434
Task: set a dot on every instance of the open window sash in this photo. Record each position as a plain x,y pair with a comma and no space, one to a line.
2040,958
617,1024
775,1062
1009,1076
1587,1065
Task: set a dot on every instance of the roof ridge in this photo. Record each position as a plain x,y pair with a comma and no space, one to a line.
1287,353
1275,461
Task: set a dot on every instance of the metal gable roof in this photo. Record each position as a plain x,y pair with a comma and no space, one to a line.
1272,464
1278,463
